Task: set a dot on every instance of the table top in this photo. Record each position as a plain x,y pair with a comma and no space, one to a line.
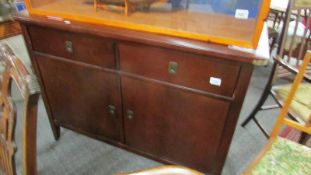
198,47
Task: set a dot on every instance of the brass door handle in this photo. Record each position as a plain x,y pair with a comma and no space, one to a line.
130,114
111,110
69,46
172,67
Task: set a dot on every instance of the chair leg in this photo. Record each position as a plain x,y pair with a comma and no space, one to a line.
272,44
30,135
304,138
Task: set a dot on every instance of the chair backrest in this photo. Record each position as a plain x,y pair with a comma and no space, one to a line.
282,119
295,38
14,70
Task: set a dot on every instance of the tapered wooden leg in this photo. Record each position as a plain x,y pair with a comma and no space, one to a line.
54,127
56,131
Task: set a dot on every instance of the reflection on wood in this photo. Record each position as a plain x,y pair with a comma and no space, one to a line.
37,3
127,5
132,5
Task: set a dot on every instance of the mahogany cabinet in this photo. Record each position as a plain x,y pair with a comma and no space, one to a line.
170,99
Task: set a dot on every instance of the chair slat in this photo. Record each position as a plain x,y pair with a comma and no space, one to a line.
305,37
294,36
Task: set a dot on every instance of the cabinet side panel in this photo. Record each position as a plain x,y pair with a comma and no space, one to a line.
55,128
230,124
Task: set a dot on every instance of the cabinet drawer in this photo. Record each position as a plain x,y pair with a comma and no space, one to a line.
212,75
74,46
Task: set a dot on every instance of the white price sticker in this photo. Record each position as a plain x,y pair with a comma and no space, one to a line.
215,81
241,14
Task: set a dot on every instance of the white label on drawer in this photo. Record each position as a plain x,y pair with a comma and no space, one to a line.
215,81
241,14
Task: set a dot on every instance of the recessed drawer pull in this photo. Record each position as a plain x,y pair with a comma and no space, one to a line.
111,110
68,46
130,114
172,67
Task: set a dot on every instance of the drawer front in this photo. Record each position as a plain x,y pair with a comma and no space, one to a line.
74,46
185,69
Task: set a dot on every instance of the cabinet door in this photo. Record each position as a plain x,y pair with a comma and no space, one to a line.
173,124
82,98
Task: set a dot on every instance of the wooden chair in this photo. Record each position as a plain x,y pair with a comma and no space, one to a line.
276,19
165,170
14,70
282,156
288,59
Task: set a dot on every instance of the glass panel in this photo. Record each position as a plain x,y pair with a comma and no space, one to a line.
220,21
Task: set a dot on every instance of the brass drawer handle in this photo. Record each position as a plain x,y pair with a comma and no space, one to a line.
130,114
111,110
172,67
68,46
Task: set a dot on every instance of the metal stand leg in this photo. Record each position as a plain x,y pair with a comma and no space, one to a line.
263,97
257,108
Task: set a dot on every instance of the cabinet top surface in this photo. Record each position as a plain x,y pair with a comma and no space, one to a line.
177,43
